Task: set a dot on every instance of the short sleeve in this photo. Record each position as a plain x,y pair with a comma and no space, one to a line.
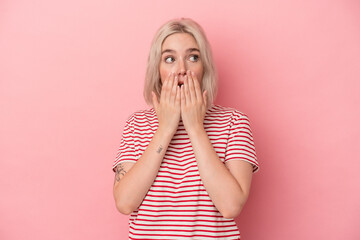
240,145
126,152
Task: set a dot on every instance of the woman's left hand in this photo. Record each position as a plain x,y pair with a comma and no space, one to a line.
193,104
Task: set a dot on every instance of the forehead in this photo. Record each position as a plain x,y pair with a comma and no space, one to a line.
179,41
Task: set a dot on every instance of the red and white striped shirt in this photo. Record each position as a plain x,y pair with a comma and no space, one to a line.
177,205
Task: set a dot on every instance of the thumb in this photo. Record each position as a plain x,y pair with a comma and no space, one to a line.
205,98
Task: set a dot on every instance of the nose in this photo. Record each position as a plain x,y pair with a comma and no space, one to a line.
181,68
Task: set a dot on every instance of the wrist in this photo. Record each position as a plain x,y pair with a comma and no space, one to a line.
196,131
164,133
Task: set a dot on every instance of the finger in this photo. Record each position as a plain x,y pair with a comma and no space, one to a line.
178,97
198,94
155,101
164,87
186,90
169,87
196,88
173,90
182,95
191,87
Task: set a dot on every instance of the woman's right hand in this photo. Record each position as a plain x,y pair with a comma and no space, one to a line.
130,191
168,109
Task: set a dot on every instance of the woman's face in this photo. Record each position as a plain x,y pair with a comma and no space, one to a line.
179,53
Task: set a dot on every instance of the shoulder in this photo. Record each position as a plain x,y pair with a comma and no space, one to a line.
141,118
142,115
229,113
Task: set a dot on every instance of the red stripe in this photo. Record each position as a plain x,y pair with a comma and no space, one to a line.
180,225
172,192
197,195
179,187
163,205
181,201
175,210
183,220
171,215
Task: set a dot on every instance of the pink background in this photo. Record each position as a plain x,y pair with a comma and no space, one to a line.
71,72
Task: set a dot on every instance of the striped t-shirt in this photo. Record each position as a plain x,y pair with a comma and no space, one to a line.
177,205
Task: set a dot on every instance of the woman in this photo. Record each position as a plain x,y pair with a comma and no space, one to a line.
176,169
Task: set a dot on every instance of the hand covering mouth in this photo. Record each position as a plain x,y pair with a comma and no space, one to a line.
181,80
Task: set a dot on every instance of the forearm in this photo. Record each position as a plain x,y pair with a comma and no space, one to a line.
222,187
130,191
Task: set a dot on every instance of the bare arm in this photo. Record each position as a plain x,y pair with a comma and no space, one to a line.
121,170
227,188
133,182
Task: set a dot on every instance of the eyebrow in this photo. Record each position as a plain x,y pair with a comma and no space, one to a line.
188,50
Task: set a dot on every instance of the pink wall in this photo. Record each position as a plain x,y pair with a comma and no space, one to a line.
70,69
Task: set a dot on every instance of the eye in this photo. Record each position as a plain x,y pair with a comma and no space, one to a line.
194,58
169,59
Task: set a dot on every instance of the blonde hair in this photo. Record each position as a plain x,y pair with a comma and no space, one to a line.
183,25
